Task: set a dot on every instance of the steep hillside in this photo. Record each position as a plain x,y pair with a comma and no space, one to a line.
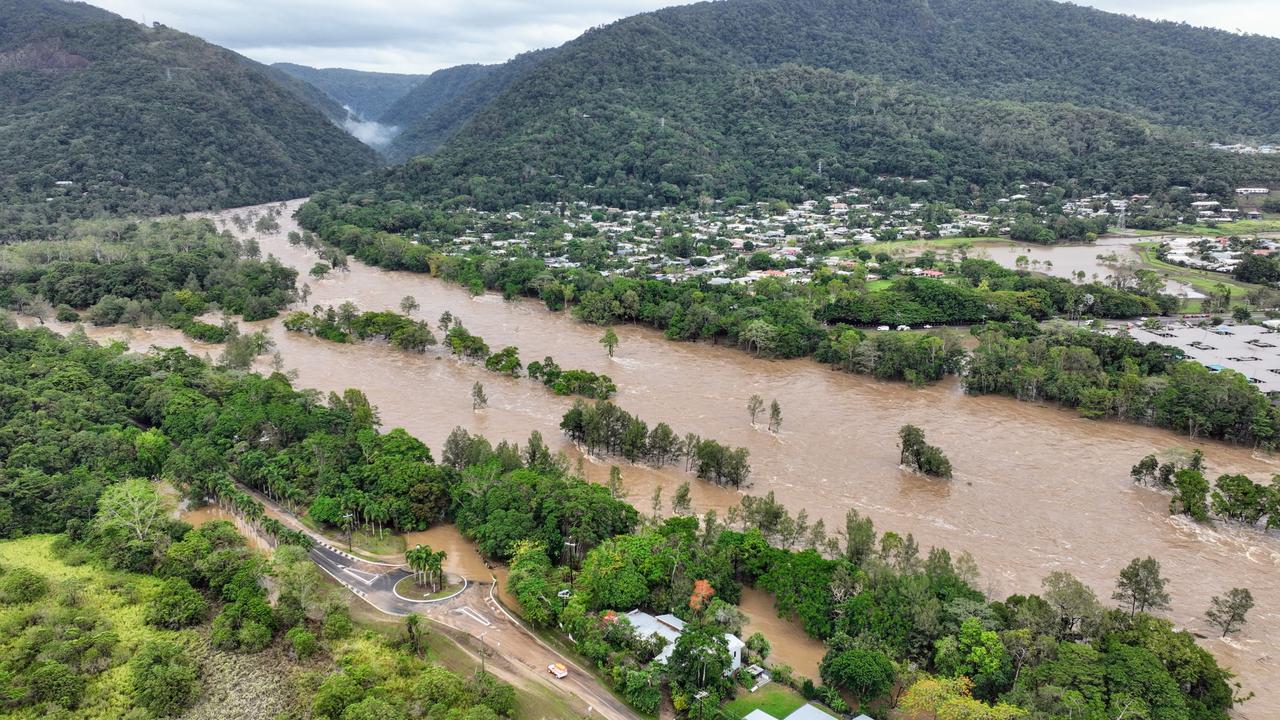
103,115
438,109
747,97
368,94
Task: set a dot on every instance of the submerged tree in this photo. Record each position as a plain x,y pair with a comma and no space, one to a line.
754,407
609,340
1228,613
1141,587
920,456
479,400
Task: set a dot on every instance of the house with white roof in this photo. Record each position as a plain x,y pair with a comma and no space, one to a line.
805,712
671,627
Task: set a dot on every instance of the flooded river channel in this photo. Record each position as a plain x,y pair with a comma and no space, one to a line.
1036,488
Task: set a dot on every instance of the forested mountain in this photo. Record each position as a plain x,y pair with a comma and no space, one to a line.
104,115
438,108
368,94
745,98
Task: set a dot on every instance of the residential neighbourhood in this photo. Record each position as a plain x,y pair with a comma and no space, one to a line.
848,233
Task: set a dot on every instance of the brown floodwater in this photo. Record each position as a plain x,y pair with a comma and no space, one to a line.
788,643
1036,488
209,513
461,556
1097,261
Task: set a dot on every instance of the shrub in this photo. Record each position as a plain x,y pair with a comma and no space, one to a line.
21,585
253,636
302,642
176,605
336,624
163,678
53,682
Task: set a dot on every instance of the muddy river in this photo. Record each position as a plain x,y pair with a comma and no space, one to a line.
1036,488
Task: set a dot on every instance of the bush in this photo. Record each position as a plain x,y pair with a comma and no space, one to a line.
302,642
336,624
176,605
163,678
253,636
372,708
53,682
66,313
334,695
21,585
491,692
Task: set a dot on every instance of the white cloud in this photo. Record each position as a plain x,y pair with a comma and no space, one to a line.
422,36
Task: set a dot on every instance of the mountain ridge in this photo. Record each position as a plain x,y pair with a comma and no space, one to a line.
629,113
106,116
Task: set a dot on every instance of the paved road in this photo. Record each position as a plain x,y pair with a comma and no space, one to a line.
475,611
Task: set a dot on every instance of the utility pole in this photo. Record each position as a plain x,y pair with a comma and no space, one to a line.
347,518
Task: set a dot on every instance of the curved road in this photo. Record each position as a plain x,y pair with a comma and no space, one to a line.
474,611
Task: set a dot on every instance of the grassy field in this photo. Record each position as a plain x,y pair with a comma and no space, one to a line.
408,588
1239,227
916,246
119,598
363,544
1203,280
775,698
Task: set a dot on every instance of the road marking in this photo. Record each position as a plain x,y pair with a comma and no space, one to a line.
474,616
364,577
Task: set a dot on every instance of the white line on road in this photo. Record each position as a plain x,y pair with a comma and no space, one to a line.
474,616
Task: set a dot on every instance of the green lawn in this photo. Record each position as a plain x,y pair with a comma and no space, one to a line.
1239,227
1202,280
366,545
917,246
775,698
408,588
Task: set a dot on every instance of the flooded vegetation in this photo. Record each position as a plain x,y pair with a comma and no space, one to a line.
1035,489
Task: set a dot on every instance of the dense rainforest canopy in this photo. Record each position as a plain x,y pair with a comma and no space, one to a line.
105,115
774,99
367,94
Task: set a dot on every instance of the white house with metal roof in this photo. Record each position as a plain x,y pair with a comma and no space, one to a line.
805,712
670,627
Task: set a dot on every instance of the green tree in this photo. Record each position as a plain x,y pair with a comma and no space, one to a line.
609,340
868,674
681,502
775,416
973,652
409,305
1191,494
755,404
759,647
479,400
1229,613
1141,587
133,508
1075,605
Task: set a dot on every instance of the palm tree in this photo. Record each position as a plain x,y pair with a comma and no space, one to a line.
419,560
436,567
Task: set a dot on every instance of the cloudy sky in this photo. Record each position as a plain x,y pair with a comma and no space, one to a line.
425,35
